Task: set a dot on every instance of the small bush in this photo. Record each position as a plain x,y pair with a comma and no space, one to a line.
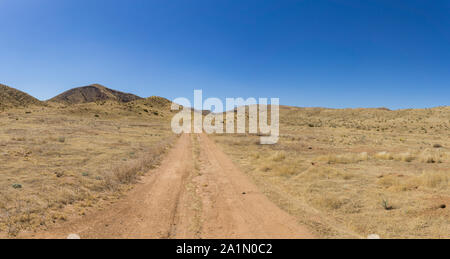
385,205
17,186
130,171
331,203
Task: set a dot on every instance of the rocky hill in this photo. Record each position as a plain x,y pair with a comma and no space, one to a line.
93,93
13,98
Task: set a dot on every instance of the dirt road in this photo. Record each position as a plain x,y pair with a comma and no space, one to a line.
197,192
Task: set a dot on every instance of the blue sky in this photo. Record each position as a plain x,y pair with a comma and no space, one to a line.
331,53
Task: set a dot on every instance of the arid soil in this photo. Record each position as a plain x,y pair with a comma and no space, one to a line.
350,173
58,162
95,163
197,192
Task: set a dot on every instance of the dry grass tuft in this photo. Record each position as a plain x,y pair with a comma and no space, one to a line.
330,203
426,180
432,156
266,167
286,170
434,180
384,156
129,172
428,155
404,157
344,158
279,156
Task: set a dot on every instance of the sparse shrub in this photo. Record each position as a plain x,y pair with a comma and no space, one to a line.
389,181
279,156
65,196
110,181
21,139
344,158
430,156
256,155
433,179
347,175
405,157
314,173
437,146
17,186
265,167
62,139
286,170
363,156
385,204
331,203
130,171
429,159
426,156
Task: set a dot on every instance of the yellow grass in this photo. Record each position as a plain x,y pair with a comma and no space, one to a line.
352,173
384,156
434,180
57,162
344,158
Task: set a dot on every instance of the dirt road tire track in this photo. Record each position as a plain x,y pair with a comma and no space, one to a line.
189,196
233,205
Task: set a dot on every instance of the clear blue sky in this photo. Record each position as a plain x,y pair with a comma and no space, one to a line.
335,53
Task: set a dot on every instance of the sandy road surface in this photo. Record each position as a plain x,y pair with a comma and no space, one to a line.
197,192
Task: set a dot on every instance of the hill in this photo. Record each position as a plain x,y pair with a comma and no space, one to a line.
93,93
152,105
155,102
13,98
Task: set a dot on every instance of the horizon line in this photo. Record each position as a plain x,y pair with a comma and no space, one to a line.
285,105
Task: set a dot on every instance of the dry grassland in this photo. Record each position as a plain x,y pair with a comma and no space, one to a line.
58,162
352,173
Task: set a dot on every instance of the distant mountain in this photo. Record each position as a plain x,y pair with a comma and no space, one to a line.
13,98
93,93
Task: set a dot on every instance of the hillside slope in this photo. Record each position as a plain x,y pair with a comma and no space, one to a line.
93,93
13,98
